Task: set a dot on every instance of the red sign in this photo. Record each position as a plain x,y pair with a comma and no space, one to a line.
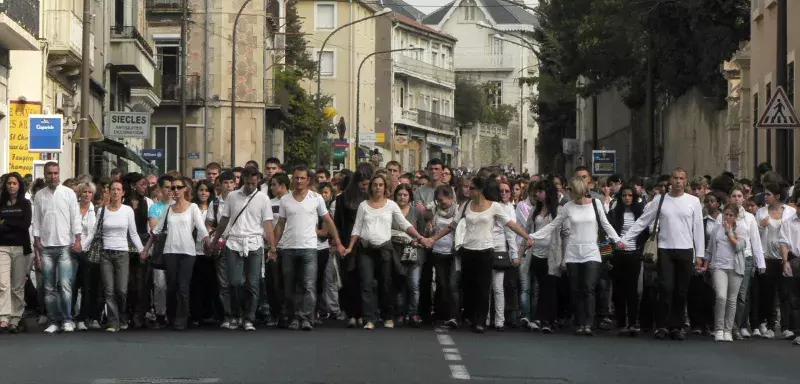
341,144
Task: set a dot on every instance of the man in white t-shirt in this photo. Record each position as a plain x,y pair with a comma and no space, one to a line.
299,213
278,187
247,219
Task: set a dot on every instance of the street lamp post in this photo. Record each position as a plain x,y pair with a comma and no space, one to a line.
358,87
233,85
382,12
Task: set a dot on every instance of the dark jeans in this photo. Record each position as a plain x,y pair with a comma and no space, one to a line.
790,287
476,277
322,262
675,270
511,293
243,277
178,269
139,284
203,290
223,308
274,286
768,288
649,302
627,265
548,290
447,303
375,267
700,302
583,281
603,292
425,285
299,267
91,288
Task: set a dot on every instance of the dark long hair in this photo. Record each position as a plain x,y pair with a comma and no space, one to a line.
407,188
490,188
636,207
5,196
352,195
140,213
211,197
550,200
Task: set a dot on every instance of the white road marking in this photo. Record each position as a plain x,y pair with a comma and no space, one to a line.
450,350
445,340
440,330
452,357
459,372
157,380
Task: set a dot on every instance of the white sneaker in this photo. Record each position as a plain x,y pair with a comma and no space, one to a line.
225,325
719,336
533,326
745,333
94,325
770,334
68,327
763,330
796,341
787,335
82,326
52,329
248,326
727,336
123,326
757,333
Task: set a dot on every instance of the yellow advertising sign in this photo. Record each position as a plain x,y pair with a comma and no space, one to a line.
19,158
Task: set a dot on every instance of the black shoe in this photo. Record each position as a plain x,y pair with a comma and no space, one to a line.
605,324
283,323
13,329
499,328
661,333
138,323
634,331
295,325
678,334
179,327
479,329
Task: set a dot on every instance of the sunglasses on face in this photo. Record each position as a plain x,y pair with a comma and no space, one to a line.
177,187
473,188
505,191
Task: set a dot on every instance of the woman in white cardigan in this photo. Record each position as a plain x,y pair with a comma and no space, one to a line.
582,255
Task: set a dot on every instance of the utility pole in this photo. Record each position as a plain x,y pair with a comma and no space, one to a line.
784,138
184,69
233,84
86,58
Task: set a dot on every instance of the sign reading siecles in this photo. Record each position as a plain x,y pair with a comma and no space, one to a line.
128,124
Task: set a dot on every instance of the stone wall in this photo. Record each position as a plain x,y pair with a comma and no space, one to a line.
480,148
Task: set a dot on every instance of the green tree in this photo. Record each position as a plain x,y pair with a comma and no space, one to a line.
472,105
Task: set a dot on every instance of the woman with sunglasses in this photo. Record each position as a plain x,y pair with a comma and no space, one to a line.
118,225
477,250
15,220
181,221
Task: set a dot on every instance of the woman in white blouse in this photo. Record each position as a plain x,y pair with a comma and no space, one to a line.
373,226
752,250
88,270
582,255
118,224
182,219
477,250
726,250
505,241
444,260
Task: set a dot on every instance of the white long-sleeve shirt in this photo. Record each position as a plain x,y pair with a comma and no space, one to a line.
790,234
770,234
375,225
88,223
751,237
680,224
720,249
502,235
56,216
582,242
117,226
179,230
478,229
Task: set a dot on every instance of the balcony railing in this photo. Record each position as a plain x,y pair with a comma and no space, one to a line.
171,90
24,12
430,71
130,32
165,5
435,120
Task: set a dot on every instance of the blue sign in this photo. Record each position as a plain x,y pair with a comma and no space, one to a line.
604,163
152,154
194,155
45,133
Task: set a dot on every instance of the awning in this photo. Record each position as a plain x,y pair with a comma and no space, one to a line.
445,147
95,134
119,149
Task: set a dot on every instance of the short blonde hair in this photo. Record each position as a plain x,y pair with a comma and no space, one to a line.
578,188
83,186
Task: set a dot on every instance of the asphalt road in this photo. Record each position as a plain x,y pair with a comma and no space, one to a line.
334,355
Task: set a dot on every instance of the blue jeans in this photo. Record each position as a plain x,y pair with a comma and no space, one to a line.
741,319
408,291
243,277
525,291
58,266
299,266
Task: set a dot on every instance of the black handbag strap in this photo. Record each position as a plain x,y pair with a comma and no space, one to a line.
658,214
242,211
166,224
99,229
601,232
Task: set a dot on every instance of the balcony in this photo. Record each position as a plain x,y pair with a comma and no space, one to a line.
424,71
166,6
65,40
19,24
132,57
171,90
430,121
496,63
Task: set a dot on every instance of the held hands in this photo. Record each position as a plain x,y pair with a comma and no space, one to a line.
346,252
621,245
787,270
76,246
272,254
426,242
516,261
530,243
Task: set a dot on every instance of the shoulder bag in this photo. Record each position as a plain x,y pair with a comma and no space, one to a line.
501,260
224,239
603,242
651,245
96,247
461,227
159,241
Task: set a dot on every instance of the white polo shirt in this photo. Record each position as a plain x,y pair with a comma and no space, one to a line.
301,218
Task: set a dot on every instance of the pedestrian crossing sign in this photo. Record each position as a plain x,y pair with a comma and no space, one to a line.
779,112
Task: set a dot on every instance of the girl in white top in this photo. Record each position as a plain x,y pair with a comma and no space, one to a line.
181,219
752,250
726,253
201,291
504,241
373,225
476,253
769,220
444,260
118,224
582,255
89,285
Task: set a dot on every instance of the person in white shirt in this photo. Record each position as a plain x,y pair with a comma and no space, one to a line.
180,221
444,259
505,241
90,282
789,239
56,226
247,222
227,184
116,222
373,226
477,250
296,234
278,187
726,259
582,255
680,240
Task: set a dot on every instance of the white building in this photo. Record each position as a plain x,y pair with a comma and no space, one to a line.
494,45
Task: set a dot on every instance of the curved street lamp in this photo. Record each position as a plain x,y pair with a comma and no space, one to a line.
358,87
382,12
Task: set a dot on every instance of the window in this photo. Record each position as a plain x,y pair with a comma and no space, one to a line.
790,81
402,97
326,16
427,101
494,93
167,137
446,108
769,92
435,107
497,51
328,65
470,10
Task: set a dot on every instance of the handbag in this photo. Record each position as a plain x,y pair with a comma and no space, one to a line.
410,254
501,261
650,252
96,247
159,241
461,228
604,244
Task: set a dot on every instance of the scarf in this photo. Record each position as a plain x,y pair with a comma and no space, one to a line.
446,213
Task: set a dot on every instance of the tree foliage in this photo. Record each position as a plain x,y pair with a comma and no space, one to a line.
472,105
297,56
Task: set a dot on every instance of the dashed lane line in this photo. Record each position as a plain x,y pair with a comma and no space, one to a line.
457,371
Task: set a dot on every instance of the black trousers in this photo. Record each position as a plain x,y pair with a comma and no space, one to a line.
476,282
375,267
583,281
273,286
511,293
675,270
768,289
546,300
425,285
203,289
700,302
603,292
178,270
625,278
447,289
139,287
91,287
